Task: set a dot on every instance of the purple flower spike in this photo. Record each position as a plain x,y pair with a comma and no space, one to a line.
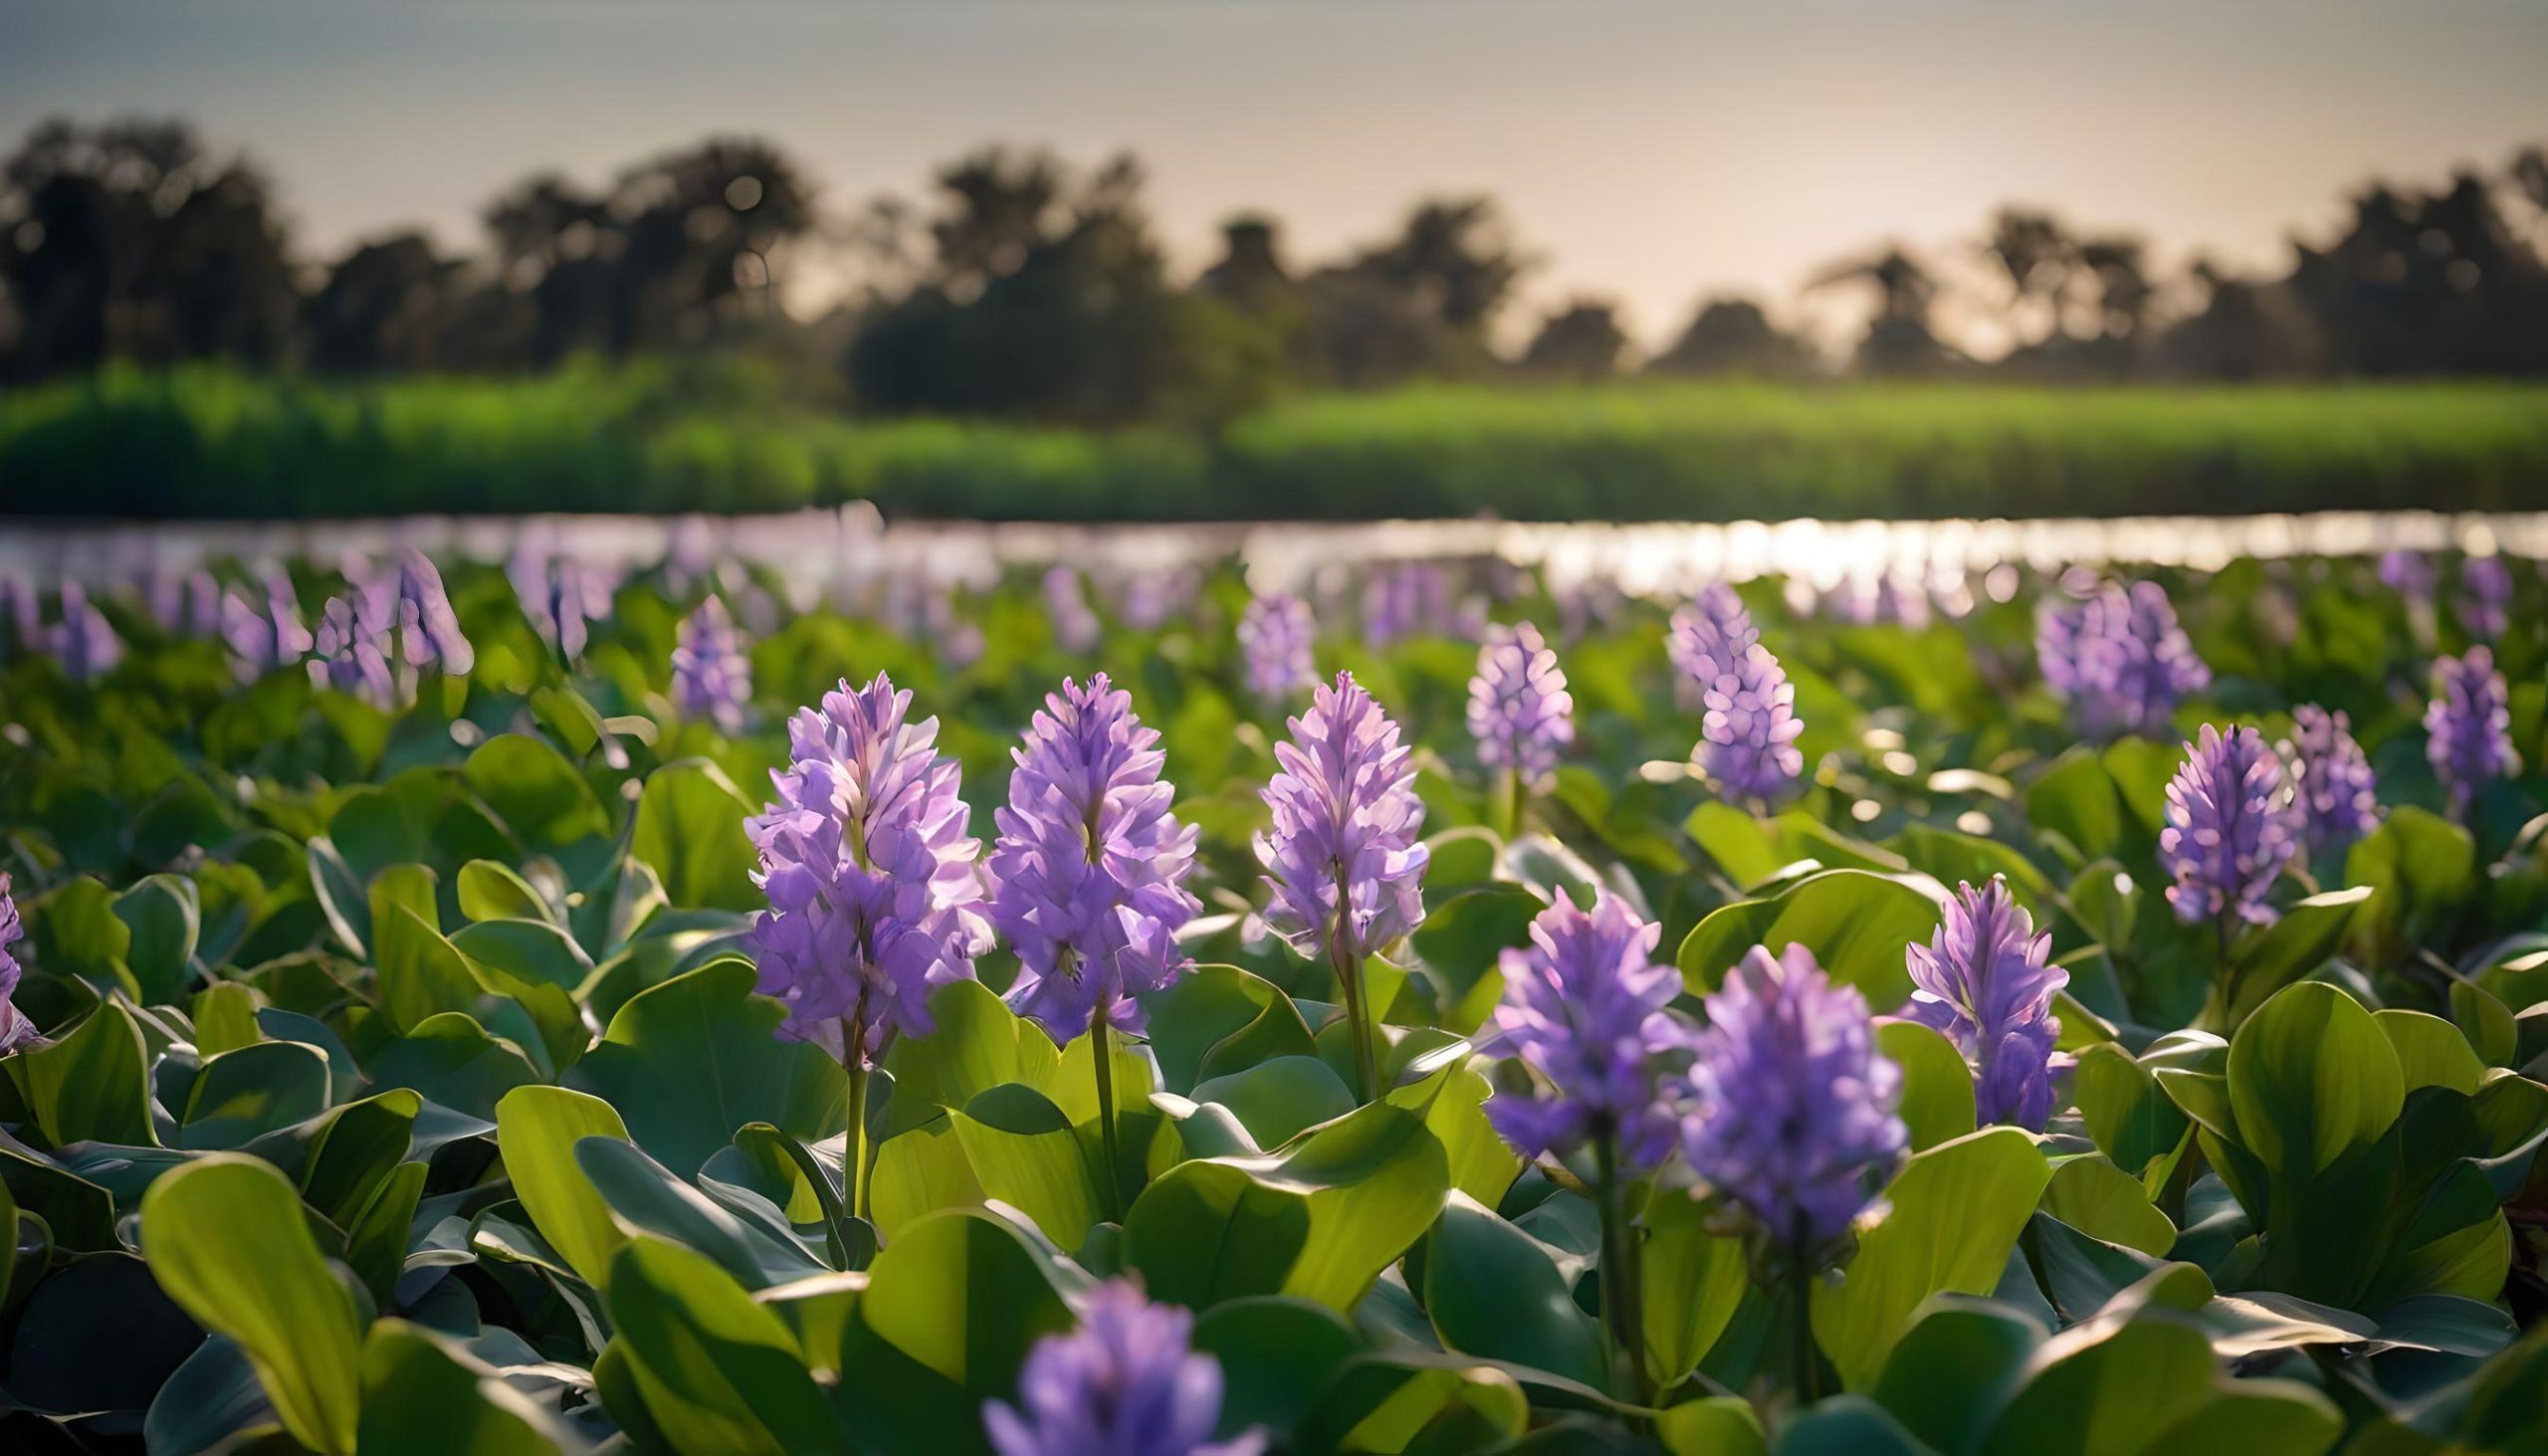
83,641
14,1029
1747,745
2406,573
1584,1008
2469,726
350,658
1982,980
1793,1114
2120,660
428,632
2332,782
1343,857
2229,829
1405,598
2486,609
1090,865
268,638
1150,600
1075,626
1699,626
712,678
1519,710
873,891
561,595
1126,1382
1275,633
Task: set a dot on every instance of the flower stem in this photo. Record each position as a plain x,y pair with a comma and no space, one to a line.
853,1048
1508,803
1621,1297
1348,975
1801,1324
1101,1060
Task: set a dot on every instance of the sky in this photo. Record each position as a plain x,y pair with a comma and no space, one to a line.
1652,153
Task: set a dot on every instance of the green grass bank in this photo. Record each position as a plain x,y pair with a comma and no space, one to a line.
210,443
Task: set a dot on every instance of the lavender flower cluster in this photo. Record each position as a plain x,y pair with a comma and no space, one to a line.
2229,829
1125,1382
712,678
873,898
1519,712
1274,636
2469,726
1343,857
1090,865
2119,659
1747,745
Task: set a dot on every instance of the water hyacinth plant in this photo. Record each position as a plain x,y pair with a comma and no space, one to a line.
1519,713
711,677
1126,1382
2229,831
2332,783
1274,637
1090,870
1583,1010
486,1052
1791,1117
1343,858
1747,746
1984,983
2119,659
2469,726
873,900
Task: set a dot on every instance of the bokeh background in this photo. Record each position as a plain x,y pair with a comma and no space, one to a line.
291,258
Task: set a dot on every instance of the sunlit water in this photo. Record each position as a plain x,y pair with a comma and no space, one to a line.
817,548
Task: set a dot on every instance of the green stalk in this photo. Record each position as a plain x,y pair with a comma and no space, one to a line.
1101,1057
1348,975
1621,1297
853,1048
1800,1324
1509,797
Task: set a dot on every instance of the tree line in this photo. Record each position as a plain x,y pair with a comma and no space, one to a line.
1023,286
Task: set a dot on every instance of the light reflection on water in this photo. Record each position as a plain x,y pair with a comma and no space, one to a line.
815,549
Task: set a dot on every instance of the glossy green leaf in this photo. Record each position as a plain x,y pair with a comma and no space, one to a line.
690,829
1937,1086
718,1373
1855,921
226,1239
537,1127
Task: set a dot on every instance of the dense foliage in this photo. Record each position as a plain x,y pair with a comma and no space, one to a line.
669,436
1793,1025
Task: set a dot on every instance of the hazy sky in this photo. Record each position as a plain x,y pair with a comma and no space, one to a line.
1650,151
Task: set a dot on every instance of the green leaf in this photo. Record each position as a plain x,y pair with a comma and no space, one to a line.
2295,946
164,915
1463,939
490,890
648,1199
1277,1355
254,1090
1937,1086
2430,1051
2488,1022
1219,1019
2423,868
1957,1210
225,1017
2130,1116
226,1238
423,1394
538,1129
1855,921
690,828
535,790
2311,1079
1025,1153
1276,1099
420,972
2077,801
691,1060
452,1060
1494,1291
1720,1425
977,1044
1319,1217
963,1295
90,1086
2100,1199
719,1372
1693,1280
1954,1367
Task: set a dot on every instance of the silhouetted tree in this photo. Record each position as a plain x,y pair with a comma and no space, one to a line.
1584,341
1899,339
1734,336
387,305
2032,248
131,240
